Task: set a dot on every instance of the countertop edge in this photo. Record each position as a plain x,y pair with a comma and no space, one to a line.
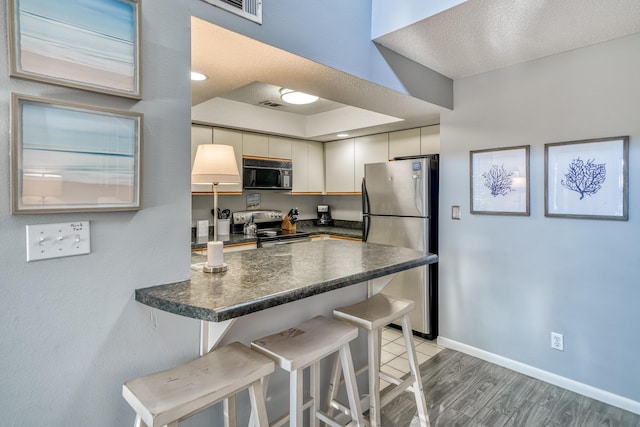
142,295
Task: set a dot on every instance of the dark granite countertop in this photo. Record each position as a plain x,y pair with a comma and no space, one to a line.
268,277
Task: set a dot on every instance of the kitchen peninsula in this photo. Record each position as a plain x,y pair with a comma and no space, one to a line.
259,279
267,290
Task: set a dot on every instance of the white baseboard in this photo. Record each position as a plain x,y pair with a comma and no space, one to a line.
560,381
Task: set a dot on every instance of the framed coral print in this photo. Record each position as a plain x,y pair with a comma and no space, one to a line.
587,179
86,44
73,158
500,181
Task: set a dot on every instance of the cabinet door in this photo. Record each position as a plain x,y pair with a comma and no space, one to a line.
369,149
279,148
255,144
430,140
300,161
200,135
404,143
234,139
339,166
315,167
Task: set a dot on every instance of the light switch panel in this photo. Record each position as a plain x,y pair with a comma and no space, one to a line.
46,241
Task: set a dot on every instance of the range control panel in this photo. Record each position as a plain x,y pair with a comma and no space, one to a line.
242,217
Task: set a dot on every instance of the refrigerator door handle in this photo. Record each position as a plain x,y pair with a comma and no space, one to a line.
365,211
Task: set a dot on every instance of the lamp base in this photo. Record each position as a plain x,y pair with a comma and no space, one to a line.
206,268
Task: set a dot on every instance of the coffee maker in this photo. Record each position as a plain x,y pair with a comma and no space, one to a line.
324,216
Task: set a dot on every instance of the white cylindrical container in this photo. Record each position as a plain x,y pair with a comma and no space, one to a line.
223,227
214,254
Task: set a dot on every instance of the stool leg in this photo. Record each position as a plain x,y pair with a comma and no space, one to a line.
351,384
415,371
373,342
138,422
264,386
314,391
296,399
229,409
334,384
258,407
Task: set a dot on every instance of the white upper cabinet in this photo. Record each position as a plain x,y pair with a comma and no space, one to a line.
255,144
209,135
368,149
279,147
339,166
308,167
200,135
404,143
267,146
430,140
234,139
315,167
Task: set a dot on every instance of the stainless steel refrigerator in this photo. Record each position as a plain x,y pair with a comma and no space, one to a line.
400,208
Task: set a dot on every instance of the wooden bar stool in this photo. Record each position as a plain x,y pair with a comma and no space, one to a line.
305,346
167,397
373,314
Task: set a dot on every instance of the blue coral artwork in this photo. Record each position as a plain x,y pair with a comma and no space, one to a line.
587,179
500,181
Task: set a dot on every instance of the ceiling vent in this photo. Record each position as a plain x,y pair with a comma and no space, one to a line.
249,9
270,104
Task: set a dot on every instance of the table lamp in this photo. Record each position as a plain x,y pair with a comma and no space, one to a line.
215,164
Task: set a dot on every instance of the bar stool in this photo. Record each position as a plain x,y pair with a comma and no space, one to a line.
167,397
305,346
373,314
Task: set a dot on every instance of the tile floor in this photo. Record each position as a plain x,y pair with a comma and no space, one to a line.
394,357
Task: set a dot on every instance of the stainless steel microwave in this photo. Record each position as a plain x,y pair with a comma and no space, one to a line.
262,174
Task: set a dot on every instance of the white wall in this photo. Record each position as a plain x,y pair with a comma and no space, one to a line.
507,282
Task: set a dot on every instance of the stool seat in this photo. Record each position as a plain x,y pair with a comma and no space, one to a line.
375,312
174,394
305,346
298,347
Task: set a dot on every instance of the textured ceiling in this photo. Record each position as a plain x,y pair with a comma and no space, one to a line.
484,35
468,39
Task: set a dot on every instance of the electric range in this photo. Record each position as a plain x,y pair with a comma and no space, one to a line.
269,231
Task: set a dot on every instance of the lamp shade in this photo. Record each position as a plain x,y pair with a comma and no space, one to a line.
215,164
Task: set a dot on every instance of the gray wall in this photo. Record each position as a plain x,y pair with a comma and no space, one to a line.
71,330
507,282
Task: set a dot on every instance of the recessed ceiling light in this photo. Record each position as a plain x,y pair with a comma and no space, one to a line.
291,96
197,76
342,135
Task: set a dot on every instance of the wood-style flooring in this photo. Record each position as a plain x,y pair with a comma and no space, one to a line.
462,390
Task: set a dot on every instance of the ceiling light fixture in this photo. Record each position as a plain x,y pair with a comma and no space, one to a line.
342,135
291,96
198,76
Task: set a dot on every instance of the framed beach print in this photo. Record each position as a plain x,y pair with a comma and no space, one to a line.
86,44
500,181
587,179
73,158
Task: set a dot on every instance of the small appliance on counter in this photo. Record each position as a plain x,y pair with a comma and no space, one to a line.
268,227
324,216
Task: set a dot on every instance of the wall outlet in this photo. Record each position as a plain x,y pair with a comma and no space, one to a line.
557,341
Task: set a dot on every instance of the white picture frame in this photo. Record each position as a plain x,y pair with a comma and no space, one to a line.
587,179
499,181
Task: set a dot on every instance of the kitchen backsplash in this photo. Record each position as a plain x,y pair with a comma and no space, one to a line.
345,208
